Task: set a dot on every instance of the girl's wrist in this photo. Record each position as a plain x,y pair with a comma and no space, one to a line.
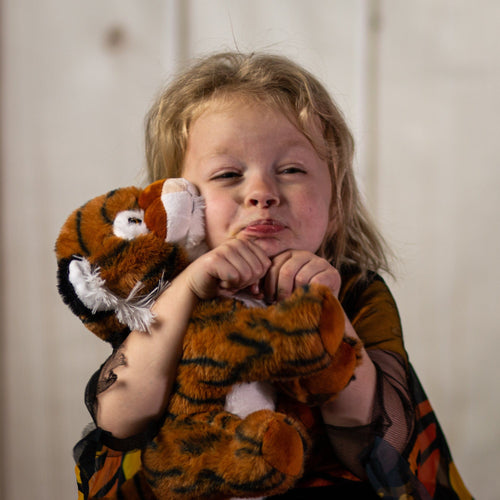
175,298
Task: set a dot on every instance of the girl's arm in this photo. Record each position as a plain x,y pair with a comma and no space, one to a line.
147,364
353,406
143,374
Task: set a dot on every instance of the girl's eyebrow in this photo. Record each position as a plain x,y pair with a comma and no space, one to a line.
292,143
223,152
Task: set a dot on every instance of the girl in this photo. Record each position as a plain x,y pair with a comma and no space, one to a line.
272,155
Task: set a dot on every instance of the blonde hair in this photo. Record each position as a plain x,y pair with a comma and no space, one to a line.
275,80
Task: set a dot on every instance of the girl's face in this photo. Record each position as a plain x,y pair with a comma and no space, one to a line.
260,176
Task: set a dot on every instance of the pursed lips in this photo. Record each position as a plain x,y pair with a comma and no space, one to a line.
264,226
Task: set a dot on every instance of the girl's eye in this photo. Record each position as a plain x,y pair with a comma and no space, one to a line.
227,175
292,169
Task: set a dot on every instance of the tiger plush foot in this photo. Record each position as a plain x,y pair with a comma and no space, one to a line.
218,455
324,386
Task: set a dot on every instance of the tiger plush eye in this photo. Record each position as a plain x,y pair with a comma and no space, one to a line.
130,224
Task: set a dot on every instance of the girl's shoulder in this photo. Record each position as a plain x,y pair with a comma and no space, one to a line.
372,310
357,287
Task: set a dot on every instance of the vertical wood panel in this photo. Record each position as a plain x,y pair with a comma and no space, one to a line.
438,190
77,80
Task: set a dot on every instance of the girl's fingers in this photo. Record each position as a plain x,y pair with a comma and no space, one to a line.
237,264
293,269
321,272
249,260
280,278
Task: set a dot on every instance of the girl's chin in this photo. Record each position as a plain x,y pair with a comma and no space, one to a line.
271,246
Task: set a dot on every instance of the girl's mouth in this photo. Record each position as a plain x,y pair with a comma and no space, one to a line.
264,227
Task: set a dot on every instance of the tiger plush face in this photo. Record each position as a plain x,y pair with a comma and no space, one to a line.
117,252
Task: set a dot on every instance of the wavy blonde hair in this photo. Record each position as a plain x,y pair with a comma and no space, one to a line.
277,81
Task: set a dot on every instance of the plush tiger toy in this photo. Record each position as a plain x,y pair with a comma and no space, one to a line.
115,256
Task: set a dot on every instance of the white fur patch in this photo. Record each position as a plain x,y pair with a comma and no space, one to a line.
247,398
130,224
133,310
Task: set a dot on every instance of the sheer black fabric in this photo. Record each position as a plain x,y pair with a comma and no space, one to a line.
392,416
103,379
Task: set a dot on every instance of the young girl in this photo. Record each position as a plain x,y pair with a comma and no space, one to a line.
272,155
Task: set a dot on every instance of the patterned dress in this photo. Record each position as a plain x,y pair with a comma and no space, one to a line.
401,454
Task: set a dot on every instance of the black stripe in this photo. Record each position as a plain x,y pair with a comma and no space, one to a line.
260,346
196,445
81,242
216,483
247,452
170,264
225,420
201,401
306,362
104,212
110,259
232,379
204,476
267,325
107,487
154,475
247,439
257,484
204,362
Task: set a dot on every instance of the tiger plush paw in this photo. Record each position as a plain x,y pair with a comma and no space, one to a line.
217,455
323,386
332,370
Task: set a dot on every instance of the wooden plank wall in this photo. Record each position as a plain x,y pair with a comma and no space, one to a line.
418,82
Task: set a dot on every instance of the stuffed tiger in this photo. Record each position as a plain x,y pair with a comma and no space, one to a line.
115,255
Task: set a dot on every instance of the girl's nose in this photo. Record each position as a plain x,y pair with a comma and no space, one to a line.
263,194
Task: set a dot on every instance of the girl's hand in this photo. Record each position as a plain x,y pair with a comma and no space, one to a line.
295,268
228,268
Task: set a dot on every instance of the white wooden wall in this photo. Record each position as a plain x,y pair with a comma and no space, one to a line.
419,84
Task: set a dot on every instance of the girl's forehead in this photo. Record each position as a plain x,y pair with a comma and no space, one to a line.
231,101
308,124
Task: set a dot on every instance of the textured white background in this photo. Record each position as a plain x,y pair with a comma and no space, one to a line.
419,83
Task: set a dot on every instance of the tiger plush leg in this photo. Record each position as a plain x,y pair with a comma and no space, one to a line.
217,455
229,342
324,386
